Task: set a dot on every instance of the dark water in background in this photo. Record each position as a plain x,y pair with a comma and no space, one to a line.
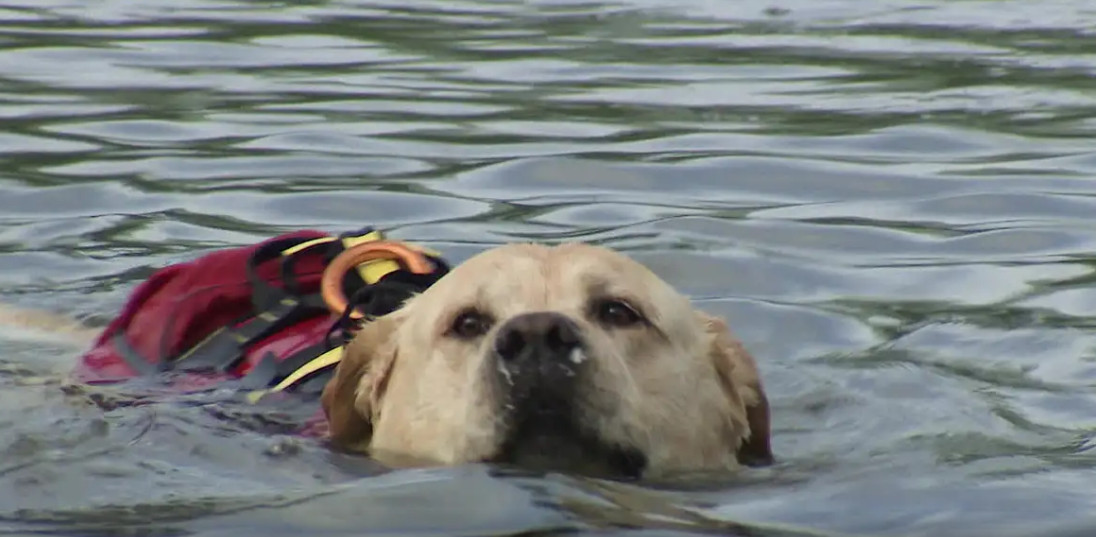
892,202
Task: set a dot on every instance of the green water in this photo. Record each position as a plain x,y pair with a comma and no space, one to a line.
891,203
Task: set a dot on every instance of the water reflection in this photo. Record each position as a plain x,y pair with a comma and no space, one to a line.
890,204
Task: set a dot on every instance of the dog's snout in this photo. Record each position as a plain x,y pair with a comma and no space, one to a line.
537,335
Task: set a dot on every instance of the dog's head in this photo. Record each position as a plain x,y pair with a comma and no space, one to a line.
571,357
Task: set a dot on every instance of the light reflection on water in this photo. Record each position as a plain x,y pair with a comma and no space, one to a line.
889,203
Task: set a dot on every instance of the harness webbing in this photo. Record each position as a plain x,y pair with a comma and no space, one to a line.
320,364
376,287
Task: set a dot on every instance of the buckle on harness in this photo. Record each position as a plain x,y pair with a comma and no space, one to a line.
331,283
312,365
377,274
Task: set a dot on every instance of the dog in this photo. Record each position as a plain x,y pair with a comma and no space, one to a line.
571,357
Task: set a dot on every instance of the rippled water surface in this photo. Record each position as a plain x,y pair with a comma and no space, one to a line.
892,203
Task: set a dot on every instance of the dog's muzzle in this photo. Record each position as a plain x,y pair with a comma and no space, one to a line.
538,357
541,363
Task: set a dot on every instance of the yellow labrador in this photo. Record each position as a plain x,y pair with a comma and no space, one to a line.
572,357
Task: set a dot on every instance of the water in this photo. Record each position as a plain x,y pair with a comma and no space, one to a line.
891,202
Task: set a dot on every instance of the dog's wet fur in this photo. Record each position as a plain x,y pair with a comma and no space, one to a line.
572,358
568,358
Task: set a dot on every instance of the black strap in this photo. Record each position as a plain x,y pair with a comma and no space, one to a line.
264,295
270,371
224,348
374,300
314,383
277,308
263,375
274,309
298,360
138,363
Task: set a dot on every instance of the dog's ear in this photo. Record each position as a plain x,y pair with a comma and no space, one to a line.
351,399
741,382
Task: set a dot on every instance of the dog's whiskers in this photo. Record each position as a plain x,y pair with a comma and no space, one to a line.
634,393
632,385
489,430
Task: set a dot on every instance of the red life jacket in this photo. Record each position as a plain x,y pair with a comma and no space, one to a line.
252,314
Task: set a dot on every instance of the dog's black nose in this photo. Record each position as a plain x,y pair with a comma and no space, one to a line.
541,336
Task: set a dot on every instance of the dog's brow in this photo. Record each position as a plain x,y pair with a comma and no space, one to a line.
596,286
599,288
477,303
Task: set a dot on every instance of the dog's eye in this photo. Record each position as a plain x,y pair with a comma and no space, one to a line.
470,324
617,313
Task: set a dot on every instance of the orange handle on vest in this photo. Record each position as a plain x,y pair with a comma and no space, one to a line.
331,283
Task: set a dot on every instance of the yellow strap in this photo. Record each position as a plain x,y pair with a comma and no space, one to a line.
371,271
306,244
326,359
330,357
